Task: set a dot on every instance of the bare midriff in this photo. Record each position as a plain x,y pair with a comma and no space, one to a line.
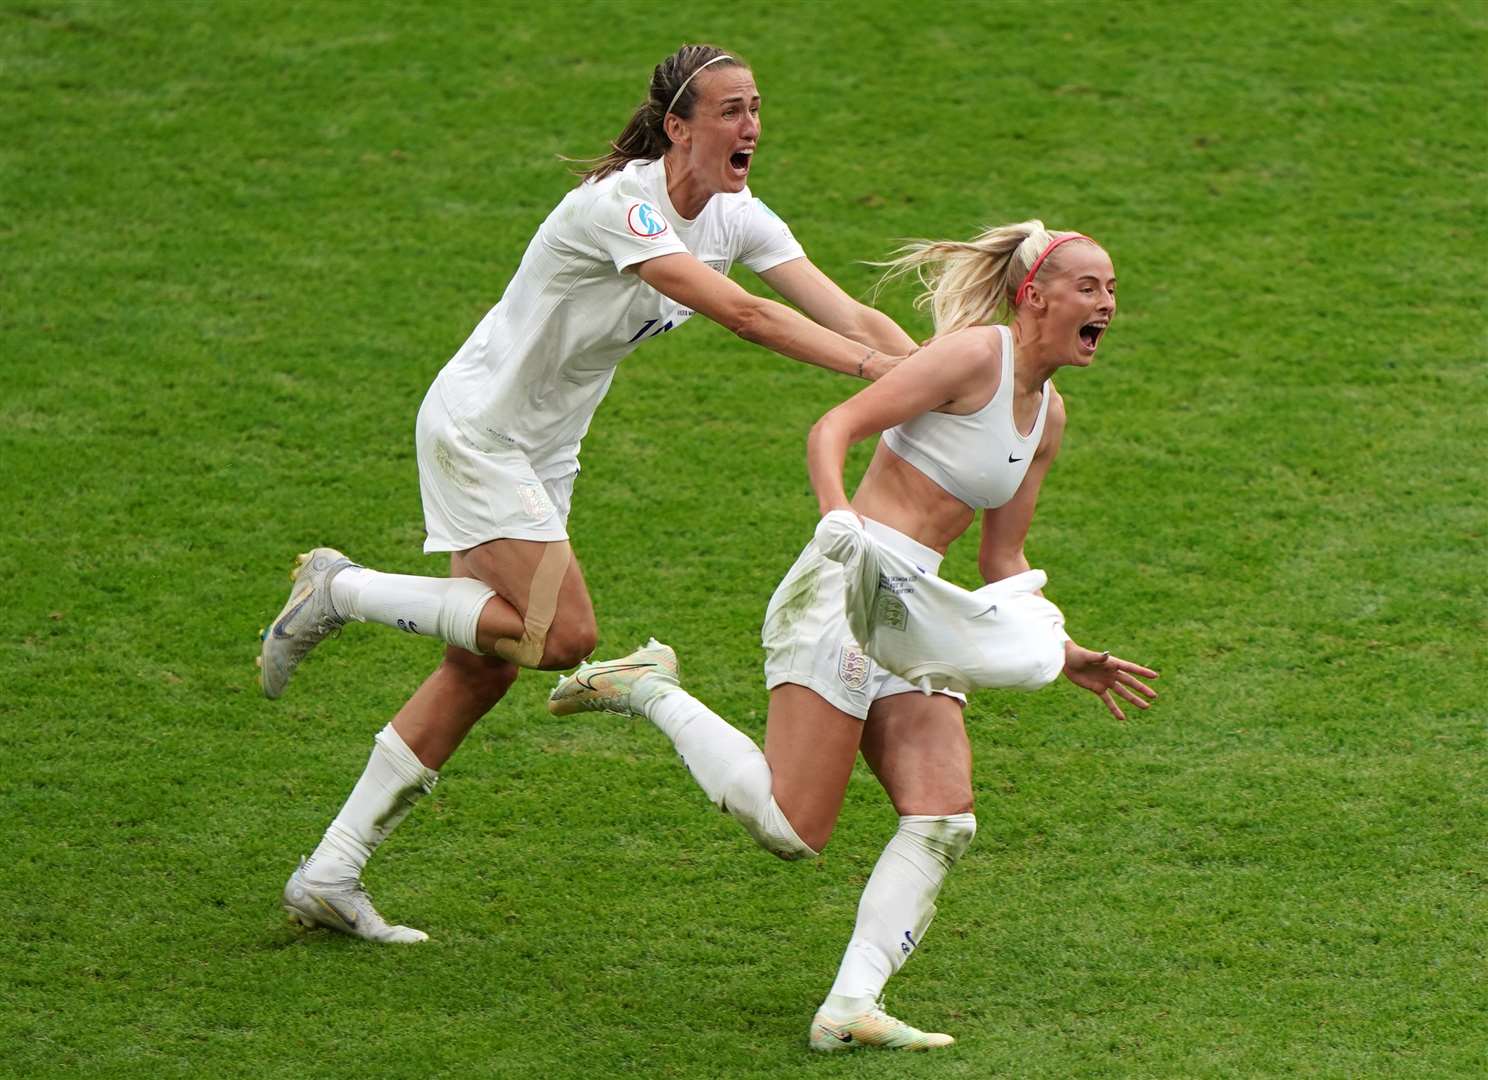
896,494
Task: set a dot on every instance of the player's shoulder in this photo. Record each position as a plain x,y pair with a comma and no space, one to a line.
985,338
739,206
632,183
976,346
625,199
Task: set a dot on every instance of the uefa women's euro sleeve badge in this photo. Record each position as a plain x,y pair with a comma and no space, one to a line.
645,221
630,230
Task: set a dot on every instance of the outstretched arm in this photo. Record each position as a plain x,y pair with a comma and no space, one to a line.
765,322
1004,530
802,283
1107,676
938,375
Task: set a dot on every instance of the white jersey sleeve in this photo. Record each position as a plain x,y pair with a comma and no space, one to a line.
630,229
765,240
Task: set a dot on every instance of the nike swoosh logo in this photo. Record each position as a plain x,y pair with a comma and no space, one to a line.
290,614
991,610
838,1035
583,680
334,910
1012,459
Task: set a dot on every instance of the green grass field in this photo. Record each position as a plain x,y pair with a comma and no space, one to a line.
237,240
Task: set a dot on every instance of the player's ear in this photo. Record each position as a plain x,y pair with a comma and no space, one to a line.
675,128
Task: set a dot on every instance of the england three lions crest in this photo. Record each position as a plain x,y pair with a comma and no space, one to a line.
852,667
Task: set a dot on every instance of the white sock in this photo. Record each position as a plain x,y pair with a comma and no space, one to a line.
727,765
393,781
446,608
897,906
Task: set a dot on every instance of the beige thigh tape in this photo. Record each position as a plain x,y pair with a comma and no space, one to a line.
542,605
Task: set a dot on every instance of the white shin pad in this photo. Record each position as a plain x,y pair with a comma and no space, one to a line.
729,767
898,903
446,608
748,799
393,781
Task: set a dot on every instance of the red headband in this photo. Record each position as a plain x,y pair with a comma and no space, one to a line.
1023,288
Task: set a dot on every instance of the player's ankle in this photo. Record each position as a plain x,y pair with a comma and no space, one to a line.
647,689
842,1007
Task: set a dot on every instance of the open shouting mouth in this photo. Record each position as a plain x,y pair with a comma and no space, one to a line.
1090,335
739,162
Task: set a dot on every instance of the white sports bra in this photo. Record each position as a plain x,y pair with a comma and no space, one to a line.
980,458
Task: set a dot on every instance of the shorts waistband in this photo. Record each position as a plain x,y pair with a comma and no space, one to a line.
926,558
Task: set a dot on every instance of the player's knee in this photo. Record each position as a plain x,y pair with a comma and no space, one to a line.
945,836
811,825
941,800
748,798
961,830
815,836
813,829
569,643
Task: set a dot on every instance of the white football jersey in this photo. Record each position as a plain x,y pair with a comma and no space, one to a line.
534,371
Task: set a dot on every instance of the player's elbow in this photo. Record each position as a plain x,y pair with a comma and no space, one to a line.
749,318
829,430
832,436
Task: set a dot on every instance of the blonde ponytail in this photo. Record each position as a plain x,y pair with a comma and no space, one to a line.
969,282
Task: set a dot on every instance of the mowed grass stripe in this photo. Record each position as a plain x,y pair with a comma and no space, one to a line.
240,239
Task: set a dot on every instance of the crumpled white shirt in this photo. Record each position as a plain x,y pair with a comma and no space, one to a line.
937,635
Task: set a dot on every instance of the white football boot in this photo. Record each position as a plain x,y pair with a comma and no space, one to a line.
872,1028
606,686
306,619
346,907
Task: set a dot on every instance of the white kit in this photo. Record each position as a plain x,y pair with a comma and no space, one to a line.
531,375
499,431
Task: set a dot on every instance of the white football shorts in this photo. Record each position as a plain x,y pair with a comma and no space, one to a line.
932,633
807,639
476,491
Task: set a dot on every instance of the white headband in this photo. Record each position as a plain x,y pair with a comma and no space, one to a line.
689,79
